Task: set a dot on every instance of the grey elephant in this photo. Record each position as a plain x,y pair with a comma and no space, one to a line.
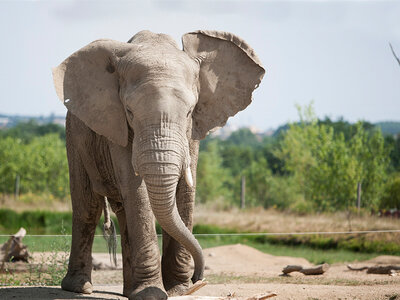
136,113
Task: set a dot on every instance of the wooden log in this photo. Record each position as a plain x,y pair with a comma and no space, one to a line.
13,249
317,270
383,269
291,268
387,269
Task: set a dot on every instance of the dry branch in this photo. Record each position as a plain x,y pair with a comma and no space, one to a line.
389,269
394,53
263,296
257,297
317,270
195,287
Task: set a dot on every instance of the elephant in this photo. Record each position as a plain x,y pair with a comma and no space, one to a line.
136,112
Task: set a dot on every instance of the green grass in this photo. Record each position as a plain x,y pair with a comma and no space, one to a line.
316,256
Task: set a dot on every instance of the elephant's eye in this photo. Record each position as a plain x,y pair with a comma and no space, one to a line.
189,113
129,113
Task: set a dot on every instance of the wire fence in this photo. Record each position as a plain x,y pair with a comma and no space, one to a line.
244,233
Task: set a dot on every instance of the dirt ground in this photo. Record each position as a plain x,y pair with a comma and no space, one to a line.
242,272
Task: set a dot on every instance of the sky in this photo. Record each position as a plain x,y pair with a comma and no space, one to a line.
334,53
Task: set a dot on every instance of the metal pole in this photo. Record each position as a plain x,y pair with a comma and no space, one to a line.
16,188
358,197
243,193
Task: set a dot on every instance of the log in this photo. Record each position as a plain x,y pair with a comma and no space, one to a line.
317,270
383,269
388,269
291,268
13,250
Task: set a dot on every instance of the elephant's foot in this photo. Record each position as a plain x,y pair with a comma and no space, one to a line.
78,283
178,289
148,293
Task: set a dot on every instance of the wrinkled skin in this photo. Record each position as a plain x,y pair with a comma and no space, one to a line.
136,113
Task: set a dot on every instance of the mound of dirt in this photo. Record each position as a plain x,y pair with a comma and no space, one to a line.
385,260
244,260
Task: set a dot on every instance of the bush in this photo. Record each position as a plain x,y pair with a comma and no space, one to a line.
391,198
40,164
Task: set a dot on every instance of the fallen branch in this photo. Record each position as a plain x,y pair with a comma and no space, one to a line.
263,296
195,287
390,269
257,297
317,270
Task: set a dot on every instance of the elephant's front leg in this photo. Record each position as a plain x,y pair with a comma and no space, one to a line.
143,246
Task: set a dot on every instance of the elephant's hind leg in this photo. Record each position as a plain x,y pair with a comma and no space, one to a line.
119,210
87,208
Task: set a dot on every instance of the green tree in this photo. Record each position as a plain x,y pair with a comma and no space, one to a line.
211,177
41,164
391,198
326,168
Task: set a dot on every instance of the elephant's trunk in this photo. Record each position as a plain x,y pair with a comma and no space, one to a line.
160,162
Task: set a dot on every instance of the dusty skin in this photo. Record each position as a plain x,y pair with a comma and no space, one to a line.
242,271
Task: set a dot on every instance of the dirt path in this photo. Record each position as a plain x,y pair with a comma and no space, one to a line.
244,271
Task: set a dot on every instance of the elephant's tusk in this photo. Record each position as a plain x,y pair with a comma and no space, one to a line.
188,177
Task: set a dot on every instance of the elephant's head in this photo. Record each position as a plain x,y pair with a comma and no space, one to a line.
166,96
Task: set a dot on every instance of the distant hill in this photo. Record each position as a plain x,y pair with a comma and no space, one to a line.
392,128
7,121
387,127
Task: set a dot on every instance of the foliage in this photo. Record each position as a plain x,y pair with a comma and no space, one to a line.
327,169
391,198
40,164
310,165
393,144
211,178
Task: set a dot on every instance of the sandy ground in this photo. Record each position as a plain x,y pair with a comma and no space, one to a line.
242,271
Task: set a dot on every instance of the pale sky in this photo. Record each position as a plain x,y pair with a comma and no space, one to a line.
335,53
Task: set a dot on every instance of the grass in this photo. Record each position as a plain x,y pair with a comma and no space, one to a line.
316,256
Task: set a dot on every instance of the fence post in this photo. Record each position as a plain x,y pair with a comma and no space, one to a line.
243,193
358,197
16,194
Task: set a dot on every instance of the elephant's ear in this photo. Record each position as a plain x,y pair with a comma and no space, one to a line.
229,73
87,83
